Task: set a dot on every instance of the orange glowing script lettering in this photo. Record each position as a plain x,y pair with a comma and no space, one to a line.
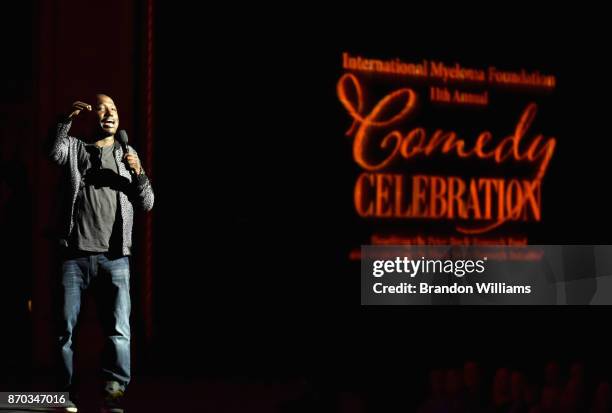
373,133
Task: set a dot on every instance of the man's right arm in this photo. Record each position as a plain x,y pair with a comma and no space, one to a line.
61,144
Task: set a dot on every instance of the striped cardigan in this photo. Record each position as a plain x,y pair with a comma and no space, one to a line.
70,152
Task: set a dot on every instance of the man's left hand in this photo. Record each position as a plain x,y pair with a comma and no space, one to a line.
133,162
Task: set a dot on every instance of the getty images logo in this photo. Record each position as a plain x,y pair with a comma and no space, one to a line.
414,267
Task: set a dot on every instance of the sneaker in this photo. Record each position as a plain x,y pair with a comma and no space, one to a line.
113,398
70,407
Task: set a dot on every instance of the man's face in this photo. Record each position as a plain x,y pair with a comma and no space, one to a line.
107,115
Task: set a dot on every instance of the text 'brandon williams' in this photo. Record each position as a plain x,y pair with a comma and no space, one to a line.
458,268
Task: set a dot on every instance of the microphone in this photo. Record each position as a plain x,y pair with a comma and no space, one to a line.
123,140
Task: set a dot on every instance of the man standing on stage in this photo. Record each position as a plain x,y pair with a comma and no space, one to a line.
105,185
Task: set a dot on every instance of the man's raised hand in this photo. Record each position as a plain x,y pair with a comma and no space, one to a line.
77,107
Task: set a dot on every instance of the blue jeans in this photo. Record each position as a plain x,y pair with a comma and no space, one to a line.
110,279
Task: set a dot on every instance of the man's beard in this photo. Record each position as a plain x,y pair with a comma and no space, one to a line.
104,133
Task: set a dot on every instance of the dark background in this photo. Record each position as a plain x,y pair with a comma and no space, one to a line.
254,218
280,280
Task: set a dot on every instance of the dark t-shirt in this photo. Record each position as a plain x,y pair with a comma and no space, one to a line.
96,206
